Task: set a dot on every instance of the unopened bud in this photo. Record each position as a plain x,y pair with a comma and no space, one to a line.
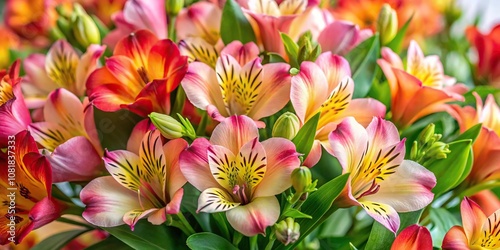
287,231
301,179
426,135
85,29
387,24
174,7
169,127
287,126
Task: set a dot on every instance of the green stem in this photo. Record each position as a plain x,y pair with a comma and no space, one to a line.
222,224
270,244
253,243
73,209
171,28
185,224
77,223
237,236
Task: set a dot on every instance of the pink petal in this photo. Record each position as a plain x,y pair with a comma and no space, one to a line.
383,213
174,178
408,189
107,202
415,57
124,167
61,63
147,14
34,66
213,200
202,88
348,142
234,132
88,63
201,19
140,129
473,219
15,117
309,90
382,133
335,68
253,218
364,109
194,165
65,109
75,160
274,92
282,159
242,53
174,206
339,37
314,156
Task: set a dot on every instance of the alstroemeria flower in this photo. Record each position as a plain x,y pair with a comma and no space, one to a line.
238,174
486,148
70,136
201,20
419,89
478,231
140,75
326,87
341,36
238,86
138,15
414,237
104,10
61,68
380,180
31,190
147,185
14,115
488,51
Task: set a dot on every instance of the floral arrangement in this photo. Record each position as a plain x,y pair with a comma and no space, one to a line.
248,124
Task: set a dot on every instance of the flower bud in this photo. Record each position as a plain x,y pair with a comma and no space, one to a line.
169,127
387,24
85,29
287,231
301,179
426,134
287,126
174,7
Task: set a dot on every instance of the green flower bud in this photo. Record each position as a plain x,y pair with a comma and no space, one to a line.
85,29
169,127
174,7
301,179
387,24
426,134
287,231
287,126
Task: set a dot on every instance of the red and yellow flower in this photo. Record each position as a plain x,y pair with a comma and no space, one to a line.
380,180
30,190
477,232
414,237
488,50
140,75
147,185
238,174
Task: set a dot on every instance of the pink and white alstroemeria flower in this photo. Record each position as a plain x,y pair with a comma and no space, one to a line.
326,87
380,180
238,174
419,89
70,136
148,185
478,231
137,15
238,87
61,68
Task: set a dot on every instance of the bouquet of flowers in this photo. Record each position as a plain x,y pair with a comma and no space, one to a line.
248,124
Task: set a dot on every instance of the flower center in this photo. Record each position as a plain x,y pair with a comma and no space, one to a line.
240,192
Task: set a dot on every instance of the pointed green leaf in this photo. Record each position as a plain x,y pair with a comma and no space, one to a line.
397,42
234,25
294,213
363,61
59,240
208,241
305,137
471,133
291,49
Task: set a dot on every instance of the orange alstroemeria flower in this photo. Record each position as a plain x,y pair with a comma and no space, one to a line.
140,75
427,22
419,89
478,231
486,148
30,189
488,51
414,237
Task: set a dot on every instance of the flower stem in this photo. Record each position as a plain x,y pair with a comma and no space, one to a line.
237,236
222,224
77,223
189,229
253,243
171,28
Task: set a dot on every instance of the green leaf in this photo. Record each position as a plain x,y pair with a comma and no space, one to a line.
291,49
381,238
109,243
59,240
234,25
363,61
114,128
442,221
305,137
352,246
397,42
271,57
471,133
477,188
449,171
319,206
294,213
147,236
208,241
